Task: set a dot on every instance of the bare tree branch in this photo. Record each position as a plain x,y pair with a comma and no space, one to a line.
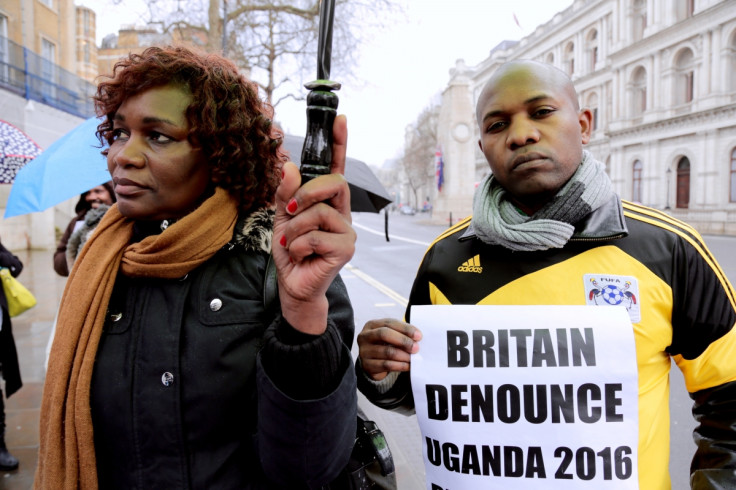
275,41
418,161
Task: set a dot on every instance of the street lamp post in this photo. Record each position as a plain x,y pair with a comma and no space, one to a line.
669,177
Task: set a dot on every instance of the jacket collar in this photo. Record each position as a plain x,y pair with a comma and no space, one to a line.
605,223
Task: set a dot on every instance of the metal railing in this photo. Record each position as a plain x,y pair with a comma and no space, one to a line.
35,78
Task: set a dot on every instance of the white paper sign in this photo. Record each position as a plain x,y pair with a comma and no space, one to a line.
520,397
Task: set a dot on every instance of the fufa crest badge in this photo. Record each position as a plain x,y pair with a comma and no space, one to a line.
612,290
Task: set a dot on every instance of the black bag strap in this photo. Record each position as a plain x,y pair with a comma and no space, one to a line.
270,285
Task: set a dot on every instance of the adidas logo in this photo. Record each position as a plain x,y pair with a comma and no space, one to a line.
472,265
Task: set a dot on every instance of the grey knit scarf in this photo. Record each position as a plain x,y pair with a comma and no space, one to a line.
497,221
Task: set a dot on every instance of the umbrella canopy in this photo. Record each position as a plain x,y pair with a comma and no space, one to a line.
367,194
16,149
72,165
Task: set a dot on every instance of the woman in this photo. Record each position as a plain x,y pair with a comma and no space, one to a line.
101,195
8,356
169,368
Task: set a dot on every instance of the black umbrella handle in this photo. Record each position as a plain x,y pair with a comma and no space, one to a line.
321,103
321,112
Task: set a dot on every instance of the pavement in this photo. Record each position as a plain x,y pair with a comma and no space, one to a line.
31,332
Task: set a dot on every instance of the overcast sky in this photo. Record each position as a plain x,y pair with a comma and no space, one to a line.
402,68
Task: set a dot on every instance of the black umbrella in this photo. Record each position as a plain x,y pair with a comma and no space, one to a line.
366,192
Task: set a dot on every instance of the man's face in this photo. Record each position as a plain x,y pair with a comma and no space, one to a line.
531,132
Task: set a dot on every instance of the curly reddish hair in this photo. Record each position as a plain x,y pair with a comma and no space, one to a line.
226,117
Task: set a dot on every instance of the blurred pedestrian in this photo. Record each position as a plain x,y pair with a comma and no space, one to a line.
8,357
99,195
171,367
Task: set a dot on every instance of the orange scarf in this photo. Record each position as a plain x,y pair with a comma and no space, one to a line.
66,457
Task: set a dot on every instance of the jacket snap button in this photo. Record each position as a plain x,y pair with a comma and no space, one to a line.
216,304
167,378
116,317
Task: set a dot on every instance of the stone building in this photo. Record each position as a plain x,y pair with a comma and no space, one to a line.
134,39
660,78
49,65
48,60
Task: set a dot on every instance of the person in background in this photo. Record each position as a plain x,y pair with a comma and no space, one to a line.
548,215
8,356
82,233
97,196
170,367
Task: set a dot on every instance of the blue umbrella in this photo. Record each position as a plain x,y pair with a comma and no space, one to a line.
72,165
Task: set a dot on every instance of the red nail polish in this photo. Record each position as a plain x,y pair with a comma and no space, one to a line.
283,240
291,207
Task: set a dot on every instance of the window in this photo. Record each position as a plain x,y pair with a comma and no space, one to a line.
683,183
733,175
86,24
638,92
638,19
592,104
731,63
636,189
684,9
4,54
592,48
569,60
48,68
684,77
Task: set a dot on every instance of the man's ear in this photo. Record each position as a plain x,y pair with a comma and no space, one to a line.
585,117
480,145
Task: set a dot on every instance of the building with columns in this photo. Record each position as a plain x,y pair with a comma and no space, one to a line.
660,78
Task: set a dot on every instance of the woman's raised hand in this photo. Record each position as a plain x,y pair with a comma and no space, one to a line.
313,237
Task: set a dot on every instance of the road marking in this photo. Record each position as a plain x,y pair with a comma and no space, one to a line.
392,237
378,285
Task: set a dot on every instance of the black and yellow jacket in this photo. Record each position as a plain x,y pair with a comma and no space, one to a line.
686,310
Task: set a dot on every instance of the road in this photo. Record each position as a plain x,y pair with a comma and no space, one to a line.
379,280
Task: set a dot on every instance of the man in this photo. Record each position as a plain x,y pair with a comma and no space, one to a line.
546,227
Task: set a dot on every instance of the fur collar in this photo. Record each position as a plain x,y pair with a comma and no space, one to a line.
255,231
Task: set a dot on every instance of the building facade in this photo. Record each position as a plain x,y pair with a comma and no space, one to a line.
660,79
48,60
